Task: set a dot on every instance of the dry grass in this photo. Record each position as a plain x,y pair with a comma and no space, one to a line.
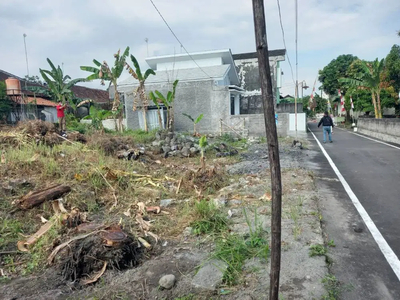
96,178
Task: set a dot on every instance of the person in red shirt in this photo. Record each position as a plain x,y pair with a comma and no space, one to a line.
61,115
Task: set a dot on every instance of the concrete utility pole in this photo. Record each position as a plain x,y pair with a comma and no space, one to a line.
273,147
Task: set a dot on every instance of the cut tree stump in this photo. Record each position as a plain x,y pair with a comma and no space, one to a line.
36,198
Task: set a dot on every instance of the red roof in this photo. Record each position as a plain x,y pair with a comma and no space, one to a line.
41,101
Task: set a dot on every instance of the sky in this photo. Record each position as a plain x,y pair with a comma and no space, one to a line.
72,33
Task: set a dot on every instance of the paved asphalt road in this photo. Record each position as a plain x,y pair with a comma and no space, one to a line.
373,172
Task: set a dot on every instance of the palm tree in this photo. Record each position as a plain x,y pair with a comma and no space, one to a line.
59,84
372,79
103,72
141,90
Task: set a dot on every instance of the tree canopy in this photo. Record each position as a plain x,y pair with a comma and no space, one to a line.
329,76
393,66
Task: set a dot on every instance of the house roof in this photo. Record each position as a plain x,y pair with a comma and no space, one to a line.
200,59
193,74
277,52
41,101
96,95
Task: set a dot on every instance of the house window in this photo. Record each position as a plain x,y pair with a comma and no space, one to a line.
232,105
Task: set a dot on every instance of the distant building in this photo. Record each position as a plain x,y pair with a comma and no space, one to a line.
34,105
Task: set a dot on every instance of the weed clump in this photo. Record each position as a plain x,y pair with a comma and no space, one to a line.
211,220
317,250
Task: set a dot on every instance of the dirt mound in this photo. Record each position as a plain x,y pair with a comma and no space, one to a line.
207,180
36,127
111,146
108,249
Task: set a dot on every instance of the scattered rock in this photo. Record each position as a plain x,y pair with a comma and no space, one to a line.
167,140
357,227
167,281
187,231
174,147
157,143
193,150
220,202
185,151
166,149
166,202
188,144
234,202
210,276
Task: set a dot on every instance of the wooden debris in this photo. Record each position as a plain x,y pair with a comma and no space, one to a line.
63,245
33,199
22,245
96,276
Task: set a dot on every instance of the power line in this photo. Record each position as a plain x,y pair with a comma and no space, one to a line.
180,43
284,41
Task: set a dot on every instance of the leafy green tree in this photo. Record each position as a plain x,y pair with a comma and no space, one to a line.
373,79
329,76
5,103
141,90
33,79
103,72
59,84
392,62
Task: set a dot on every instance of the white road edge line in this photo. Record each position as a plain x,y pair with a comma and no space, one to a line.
390,256
368,138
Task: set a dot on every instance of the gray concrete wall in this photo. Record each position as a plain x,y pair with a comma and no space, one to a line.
255,124
387,130
193,98
289,108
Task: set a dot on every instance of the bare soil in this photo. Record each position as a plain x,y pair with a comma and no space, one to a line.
110,191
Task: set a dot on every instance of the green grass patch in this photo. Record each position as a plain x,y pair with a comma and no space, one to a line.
235,250
211,219
317,250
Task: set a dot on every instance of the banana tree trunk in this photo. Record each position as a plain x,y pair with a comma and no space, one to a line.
159,118
171,119
375,107
145,119
116,98
378,100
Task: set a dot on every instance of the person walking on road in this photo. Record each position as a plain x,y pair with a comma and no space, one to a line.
327,124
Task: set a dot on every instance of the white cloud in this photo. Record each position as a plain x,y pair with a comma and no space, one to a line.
74,32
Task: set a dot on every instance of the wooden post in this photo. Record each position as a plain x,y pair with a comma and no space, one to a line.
272,141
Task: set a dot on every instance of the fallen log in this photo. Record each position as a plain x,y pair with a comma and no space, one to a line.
36,198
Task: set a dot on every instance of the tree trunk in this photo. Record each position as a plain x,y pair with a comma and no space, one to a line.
36,198
159,118
375,107
378,100
115,107
145,119
273,147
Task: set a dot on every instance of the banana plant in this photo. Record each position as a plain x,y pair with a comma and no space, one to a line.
97,116
203,144
141,90
157,104
195,121
103,72
59,84
168,102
